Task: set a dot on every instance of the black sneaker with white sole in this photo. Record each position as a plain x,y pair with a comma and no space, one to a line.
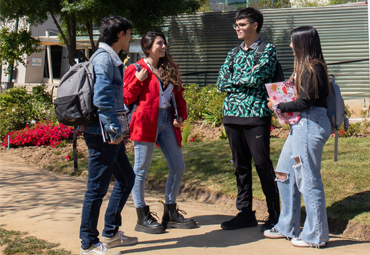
269,224
241,220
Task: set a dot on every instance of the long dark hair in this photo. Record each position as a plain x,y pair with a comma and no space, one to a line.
167,68
308,53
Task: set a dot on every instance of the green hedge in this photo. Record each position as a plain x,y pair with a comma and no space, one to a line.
19,107
204,103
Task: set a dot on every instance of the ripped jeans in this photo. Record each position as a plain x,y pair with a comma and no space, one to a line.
298,172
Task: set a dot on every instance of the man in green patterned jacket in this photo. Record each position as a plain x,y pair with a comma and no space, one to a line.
247,119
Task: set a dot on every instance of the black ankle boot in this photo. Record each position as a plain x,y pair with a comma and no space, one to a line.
172,218
146,222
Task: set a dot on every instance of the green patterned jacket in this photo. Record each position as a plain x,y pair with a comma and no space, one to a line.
246,94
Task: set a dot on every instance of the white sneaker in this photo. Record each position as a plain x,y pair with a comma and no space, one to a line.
99,249
119,240
273,234
298,242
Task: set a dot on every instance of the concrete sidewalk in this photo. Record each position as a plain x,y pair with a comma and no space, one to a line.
48,206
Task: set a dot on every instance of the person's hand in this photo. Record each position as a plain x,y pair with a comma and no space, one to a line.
142,75
116,141
270,103
178,122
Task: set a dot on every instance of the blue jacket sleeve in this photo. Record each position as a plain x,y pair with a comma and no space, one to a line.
103,95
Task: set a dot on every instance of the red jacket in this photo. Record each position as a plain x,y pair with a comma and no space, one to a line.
143,126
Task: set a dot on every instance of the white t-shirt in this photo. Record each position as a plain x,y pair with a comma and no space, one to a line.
164,96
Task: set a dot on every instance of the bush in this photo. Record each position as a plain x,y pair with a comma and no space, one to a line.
49,134
18,108
204,103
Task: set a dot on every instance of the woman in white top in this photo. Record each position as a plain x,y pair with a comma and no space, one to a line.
156,120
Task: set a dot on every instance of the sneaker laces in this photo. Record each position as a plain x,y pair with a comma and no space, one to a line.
102,246
120,236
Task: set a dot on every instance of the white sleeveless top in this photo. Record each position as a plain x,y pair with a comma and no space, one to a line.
164,96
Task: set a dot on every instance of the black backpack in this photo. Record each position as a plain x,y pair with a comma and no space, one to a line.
278,76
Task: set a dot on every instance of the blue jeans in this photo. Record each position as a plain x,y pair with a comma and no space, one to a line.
105,160
166,140
300,160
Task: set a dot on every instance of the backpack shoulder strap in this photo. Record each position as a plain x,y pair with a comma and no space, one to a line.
236,50
96,53
258,52
138,67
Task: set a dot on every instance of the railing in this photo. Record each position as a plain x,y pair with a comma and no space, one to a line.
284,69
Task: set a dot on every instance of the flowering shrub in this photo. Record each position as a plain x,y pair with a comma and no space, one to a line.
197,138
204,103
48,134
70,155
18,107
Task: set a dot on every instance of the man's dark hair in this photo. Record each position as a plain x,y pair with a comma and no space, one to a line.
111,26
252,14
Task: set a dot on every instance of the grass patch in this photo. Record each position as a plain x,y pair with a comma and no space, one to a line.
17,242
208,165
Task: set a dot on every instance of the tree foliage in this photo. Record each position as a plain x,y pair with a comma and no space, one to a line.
334,2
145,15
14,45
71,16
270,4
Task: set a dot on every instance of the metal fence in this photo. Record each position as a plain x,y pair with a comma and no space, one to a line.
200,42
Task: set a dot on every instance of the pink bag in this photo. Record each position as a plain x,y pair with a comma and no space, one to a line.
284,92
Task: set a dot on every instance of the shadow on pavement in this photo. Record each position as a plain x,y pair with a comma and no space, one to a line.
337,242
215,239
22,192
211,219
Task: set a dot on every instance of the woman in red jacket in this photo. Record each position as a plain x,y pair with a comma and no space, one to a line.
154,122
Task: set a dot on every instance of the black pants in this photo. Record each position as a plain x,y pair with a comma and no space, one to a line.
247,142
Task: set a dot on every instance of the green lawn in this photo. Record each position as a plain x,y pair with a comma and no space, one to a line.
346,182
16,242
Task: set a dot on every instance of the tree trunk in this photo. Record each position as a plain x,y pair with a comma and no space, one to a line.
71,43
90,31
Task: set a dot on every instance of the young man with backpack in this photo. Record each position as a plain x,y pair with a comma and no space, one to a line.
247,119
107,159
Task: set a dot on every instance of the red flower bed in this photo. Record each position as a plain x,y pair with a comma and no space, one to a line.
48,134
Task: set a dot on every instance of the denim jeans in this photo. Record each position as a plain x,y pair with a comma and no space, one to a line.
105,160
300,160
166,140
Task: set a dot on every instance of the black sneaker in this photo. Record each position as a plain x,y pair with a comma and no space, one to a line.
269,224
241,220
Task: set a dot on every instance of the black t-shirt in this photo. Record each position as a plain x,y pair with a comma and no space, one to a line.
307,97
